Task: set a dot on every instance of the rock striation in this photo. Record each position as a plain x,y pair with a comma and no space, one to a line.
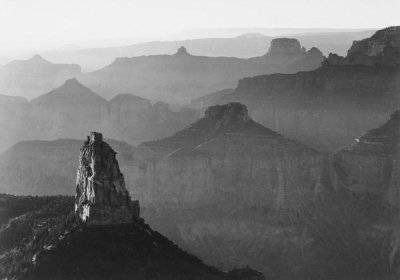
101,196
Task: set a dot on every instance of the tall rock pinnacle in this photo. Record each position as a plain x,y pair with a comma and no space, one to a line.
101,197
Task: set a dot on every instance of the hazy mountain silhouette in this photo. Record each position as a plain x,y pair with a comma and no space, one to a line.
29,78
180,77
328,107
72,109
244,43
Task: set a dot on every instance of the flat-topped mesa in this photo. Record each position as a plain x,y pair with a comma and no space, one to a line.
101,196
285,46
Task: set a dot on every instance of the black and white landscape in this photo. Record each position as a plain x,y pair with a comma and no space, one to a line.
156,141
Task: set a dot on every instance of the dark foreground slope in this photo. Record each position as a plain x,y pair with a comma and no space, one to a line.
51,243
102,237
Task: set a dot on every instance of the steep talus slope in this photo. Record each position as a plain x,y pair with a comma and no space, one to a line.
29,78
180,77
333,104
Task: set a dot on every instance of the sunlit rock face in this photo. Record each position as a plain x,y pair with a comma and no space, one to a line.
372,164
227,159
101,196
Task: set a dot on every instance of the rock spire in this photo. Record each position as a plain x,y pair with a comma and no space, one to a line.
101,196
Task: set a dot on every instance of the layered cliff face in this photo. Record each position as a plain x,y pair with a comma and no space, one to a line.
181,77
325,108
30,78
371,164
229,160
101,196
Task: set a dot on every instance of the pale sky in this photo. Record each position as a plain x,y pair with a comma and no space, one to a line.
54,23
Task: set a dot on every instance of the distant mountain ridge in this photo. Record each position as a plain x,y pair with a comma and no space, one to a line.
29,78
180,77
72,109
233,44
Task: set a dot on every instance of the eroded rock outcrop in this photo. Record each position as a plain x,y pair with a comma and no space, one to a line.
101,196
